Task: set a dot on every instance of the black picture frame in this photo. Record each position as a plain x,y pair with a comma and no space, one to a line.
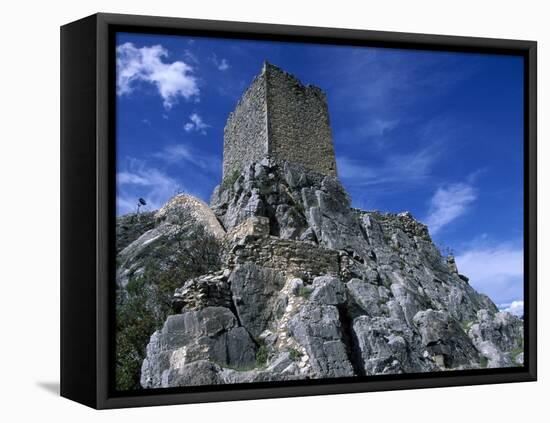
87,208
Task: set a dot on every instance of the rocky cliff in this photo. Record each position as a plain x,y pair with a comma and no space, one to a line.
299,285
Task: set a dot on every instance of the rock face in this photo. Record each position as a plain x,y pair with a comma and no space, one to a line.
308,287
499,338
131,226
157,253
209,334
161,234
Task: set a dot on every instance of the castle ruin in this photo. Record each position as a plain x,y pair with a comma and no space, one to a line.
280,118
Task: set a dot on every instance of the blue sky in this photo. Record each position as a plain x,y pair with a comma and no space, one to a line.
439,134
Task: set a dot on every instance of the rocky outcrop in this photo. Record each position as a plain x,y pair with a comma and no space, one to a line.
387,346
210,334
317,328
499,338
255,297
131,226
308,287
186,210
300,205
157,253
445,340
171,231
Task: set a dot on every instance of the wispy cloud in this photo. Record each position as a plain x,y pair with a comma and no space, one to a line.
221,64
373,129
389,89
173,80
191,57
139,179
448,204
496,270
175,153
196,124
380,80
401,169
181,152
379,126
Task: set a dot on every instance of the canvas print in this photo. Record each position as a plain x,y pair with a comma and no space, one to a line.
296,211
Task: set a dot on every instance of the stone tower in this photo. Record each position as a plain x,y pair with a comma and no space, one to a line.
280,118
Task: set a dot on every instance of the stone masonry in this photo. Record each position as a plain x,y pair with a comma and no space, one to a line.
280,118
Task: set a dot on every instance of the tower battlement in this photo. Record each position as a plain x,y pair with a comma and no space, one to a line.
281,118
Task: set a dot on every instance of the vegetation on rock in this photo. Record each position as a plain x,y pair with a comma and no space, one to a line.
146,300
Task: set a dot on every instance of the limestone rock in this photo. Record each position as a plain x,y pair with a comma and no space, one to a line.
197,373
185,209
366,295
443,337
210,334
498,337
388,346
328,290
502,329
300,205
131,226
295,285
308,287
317,328
170,234
254,295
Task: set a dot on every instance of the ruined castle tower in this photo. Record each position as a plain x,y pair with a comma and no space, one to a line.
280,118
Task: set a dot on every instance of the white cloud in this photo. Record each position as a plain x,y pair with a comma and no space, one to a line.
175,153
380,81
181,152
486,263
222,64
196,124
396,169
371,129
191,57
448,204
146,64
515,307
379,126
140,180
495,270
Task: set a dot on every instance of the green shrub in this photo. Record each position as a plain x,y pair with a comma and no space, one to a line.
304,292
294,354
515,352
483,362
261,356
230,179
467,325
298,205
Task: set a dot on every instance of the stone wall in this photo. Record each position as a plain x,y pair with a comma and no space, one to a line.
250,242
390,222
279,117
298,259
299,129
245,133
